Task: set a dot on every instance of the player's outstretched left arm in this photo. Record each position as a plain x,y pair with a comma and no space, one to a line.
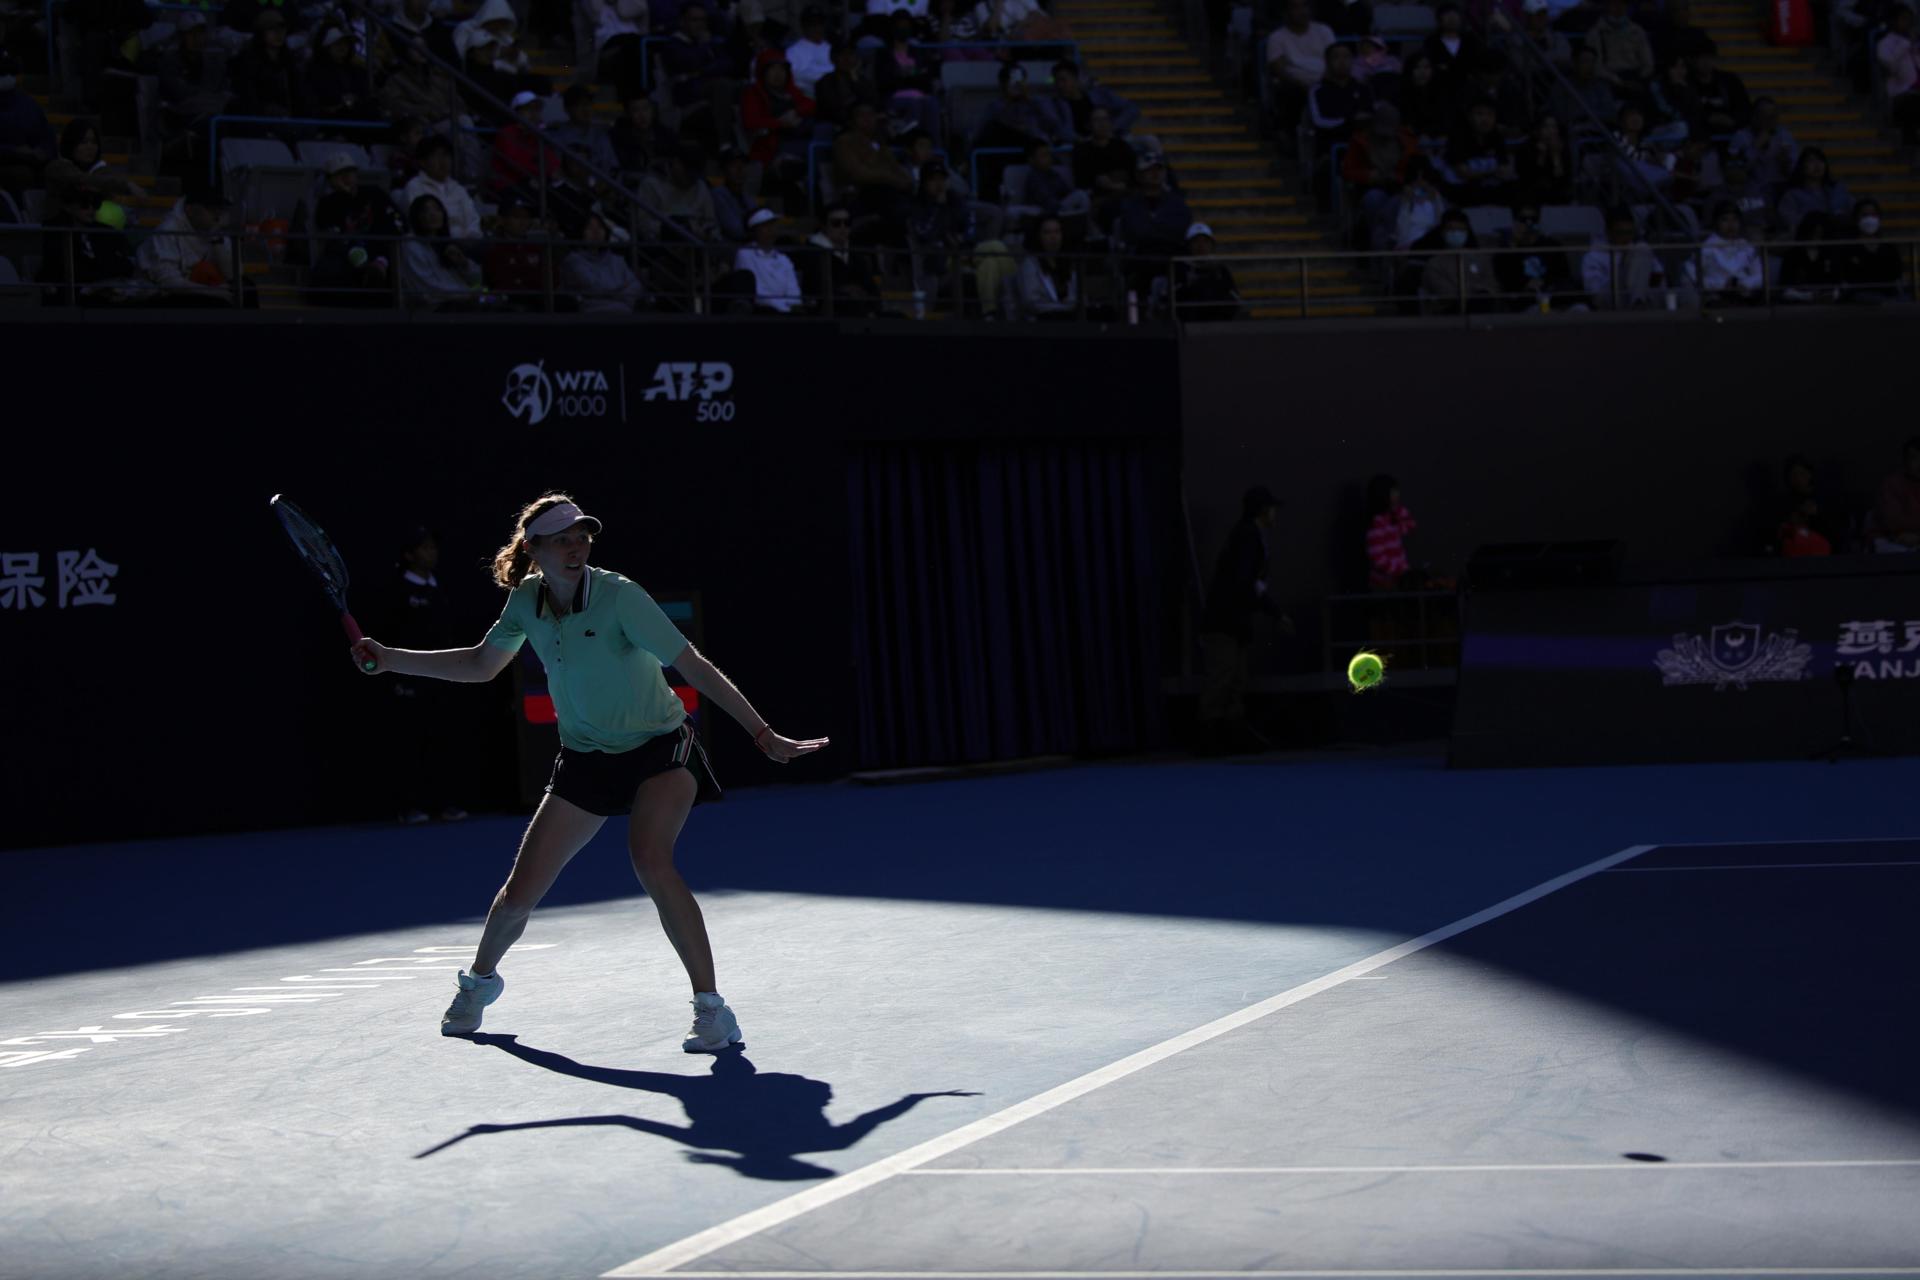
717,689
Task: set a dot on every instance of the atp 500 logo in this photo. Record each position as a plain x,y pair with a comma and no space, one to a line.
533,394
706,386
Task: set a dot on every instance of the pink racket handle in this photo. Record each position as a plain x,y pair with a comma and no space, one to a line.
355,636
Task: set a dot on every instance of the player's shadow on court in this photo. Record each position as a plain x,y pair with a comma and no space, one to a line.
758,1124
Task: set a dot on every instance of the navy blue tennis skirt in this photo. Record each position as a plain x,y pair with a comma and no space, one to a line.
606,782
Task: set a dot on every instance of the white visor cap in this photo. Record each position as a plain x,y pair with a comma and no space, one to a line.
564,516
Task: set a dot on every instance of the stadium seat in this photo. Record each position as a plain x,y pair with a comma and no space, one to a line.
1404,21
1574,224
1489,221
318,153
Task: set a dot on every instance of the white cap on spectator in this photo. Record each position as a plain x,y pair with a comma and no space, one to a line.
564,516
524,98
340,160
1199,229
760,217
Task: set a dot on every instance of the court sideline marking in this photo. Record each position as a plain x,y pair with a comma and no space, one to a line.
664,1260
1742,1273
1323,1169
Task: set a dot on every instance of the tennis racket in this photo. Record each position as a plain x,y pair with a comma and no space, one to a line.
321,556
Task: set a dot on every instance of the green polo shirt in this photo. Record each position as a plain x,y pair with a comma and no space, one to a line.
603,659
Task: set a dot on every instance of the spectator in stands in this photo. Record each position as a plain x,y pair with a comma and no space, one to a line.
1806,528
418,89
1416,214
853,278
1533,270
1103,162
193,86
1349,19
1388,524
1729,264
578,132
1338,102
79,161
518,152
1719,98
1896,511
435,179
1154,219
698,75
488,80
362,229
416,20
493,23
1376,68
1459,274
436,272
515,266
1812,188
1482,165
266,79
877,185
601,279
1542,165
777,117
848,86
1202,288
1675,37
907,80
1811,271
1375,166
811,56
570,199
1586,96
940,226
1872,270
1424,105
1488,78
776,286
683,195
1769,150
1296,59
732,204
1639,162
1079,98
1454,49
191,253
619,39
1048,286
1049,187
1626,54
82,252
1622,272
1899,60
1748,194
1536,44
1015,119
641,143
338,86
1236,595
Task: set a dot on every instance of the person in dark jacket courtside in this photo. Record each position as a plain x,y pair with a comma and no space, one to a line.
1238,593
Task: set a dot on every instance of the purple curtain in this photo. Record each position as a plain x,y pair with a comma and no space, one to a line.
1006,599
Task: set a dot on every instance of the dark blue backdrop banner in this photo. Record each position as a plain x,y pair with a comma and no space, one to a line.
1006,598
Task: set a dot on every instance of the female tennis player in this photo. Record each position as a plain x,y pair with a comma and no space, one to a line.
626,745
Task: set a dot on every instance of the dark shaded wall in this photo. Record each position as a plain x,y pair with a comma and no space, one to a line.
1667,435
215,693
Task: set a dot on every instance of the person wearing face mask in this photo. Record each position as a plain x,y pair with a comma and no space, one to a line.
1460,274
1870,271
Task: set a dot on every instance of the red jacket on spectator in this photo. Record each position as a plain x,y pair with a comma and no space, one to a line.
517,269
1386,553
1359,158
762,107
516,156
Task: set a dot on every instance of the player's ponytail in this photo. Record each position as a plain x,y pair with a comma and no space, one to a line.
512,562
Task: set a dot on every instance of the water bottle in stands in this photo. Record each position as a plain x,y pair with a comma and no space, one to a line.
1133,306
919,304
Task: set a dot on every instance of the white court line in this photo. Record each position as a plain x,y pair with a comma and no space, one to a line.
700,1244
1733,1273
1266,1170
1763,844
1762,866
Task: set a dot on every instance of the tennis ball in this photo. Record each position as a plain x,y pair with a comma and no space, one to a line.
112,215
1364,671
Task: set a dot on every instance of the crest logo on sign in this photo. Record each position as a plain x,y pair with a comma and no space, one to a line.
1735,653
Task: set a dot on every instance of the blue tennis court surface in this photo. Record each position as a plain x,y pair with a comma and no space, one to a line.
1338,1016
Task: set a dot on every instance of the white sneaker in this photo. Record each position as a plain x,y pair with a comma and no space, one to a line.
714,1026
462,1017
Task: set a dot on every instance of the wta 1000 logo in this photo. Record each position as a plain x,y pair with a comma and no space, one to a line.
534,393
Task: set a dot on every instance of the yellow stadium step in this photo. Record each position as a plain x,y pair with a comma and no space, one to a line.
1232,184
1129,86
1202,131
1211,148
1106,47
1241,204
1883,186
1822,133
1259,220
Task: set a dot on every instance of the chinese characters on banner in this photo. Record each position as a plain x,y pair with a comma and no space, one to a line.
1879,649
80,578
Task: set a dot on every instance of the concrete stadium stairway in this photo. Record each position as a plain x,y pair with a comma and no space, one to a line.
1817,109
1134,48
